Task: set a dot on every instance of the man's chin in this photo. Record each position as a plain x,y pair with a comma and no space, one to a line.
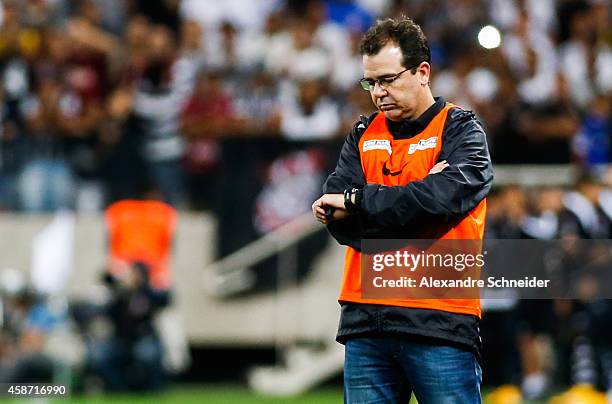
393,114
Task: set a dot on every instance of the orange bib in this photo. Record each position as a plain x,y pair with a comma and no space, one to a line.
397,162
141,231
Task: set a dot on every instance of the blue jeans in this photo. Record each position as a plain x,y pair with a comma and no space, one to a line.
389,369
46,185
168,179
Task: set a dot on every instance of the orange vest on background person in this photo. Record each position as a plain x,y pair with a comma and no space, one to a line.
410,160
141,230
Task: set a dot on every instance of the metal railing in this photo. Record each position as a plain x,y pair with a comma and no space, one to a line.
233,274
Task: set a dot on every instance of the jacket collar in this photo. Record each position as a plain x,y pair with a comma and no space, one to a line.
408,128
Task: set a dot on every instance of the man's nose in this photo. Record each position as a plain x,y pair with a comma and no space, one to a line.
378,91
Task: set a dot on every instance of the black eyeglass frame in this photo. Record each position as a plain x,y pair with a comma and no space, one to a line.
369,84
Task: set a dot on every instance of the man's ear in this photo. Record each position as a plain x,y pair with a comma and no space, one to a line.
424,71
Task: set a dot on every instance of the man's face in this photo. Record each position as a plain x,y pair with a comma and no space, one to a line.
400,99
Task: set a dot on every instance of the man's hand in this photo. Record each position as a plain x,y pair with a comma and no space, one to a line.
334,203
438,167
327,201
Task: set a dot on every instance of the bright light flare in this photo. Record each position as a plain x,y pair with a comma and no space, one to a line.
489,37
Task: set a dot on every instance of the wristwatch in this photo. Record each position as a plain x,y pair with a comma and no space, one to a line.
352,199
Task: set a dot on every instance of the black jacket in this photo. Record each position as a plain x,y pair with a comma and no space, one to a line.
406,211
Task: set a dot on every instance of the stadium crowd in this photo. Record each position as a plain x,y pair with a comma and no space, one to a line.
92,90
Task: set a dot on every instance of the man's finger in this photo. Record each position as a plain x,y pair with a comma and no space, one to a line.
316,205
439,167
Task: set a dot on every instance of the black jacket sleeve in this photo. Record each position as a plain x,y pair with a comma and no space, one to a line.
348,174
446,195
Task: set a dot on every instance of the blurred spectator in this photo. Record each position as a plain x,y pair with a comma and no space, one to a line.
258,106
531,58
331,35
160,94
349,70
581,216
141,230
507,213
308,114
130,355
229,57
46,181
350,14
470,84
586,57
9,152
207,117
540,13
592,142
247,18
548,128
29,322
290,51
253,47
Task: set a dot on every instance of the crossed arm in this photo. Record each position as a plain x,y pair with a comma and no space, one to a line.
330,207
453,187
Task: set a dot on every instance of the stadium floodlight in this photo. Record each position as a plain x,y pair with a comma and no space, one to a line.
489,37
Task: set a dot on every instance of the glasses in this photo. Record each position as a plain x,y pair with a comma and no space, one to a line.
384,82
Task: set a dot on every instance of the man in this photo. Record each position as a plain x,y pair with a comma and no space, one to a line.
418,168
